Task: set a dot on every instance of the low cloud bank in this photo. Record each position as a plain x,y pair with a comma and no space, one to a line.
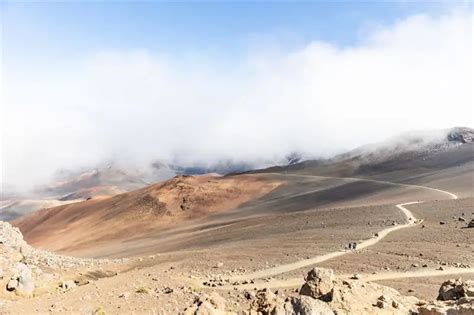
319,99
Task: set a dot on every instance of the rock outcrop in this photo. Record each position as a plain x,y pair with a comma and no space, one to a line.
21,266
323,293
17,276
456,289
319,284
456,297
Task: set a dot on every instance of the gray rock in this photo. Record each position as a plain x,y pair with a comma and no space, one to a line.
22,280
455,290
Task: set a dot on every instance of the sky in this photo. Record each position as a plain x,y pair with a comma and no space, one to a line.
85,82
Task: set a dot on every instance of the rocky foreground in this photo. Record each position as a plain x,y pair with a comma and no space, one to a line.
28,273
325,294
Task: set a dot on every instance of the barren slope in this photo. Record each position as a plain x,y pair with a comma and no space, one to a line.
129,215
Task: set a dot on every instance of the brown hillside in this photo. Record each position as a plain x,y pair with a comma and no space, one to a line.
136,213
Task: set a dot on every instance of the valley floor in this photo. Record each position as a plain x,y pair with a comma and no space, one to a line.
273,242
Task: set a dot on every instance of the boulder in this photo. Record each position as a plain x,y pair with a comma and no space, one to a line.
455,289
456,297
360,297
22,280
319,284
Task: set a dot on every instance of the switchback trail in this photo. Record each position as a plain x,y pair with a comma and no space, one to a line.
411,221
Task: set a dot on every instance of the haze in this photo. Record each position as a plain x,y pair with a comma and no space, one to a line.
204,102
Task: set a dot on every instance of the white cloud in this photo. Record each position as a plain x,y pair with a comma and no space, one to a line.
416,74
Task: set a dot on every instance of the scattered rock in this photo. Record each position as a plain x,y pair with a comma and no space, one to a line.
249,295
356,276
382,302
168,290
395,304
323,293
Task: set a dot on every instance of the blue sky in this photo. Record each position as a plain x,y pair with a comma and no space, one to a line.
58,31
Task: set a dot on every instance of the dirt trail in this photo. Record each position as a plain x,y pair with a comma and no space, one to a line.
453,196
297,282
411,221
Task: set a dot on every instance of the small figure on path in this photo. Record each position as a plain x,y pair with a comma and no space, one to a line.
354,246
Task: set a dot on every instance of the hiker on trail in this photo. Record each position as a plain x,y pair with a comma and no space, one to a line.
354,246
350,246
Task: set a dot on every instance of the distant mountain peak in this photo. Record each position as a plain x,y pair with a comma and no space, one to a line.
461,134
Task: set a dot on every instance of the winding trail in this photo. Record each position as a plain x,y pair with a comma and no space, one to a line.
297,282
411,221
